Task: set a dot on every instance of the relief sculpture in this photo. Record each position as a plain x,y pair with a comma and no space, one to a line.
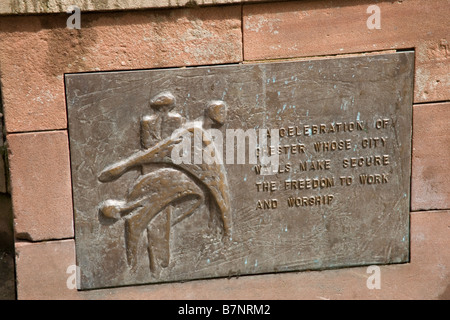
163,185
240,169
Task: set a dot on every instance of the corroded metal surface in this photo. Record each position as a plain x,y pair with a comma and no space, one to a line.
339,195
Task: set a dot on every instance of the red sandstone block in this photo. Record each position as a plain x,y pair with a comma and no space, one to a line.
2,175
430,186
433,70
44,271
310,28
36,51
41,185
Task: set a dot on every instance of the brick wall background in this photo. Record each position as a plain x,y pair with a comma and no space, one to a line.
36,51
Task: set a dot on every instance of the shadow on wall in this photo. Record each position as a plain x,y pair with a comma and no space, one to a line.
7,275
7,283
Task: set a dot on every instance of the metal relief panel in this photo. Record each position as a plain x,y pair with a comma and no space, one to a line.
166,189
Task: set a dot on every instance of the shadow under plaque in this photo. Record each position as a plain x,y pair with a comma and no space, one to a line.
161,191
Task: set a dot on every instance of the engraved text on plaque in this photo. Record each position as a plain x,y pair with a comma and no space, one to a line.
169,182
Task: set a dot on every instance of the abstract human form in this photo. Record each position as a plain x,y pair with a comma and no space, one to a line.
164,184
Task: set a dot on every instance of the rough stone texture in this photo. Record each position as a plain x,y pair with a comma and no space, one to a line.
2,155
43,270
309,28
38,50
41,185
55,6
430,187
426,277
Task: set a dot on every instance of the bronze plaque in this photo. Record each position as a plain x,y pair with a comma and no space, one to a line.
217,171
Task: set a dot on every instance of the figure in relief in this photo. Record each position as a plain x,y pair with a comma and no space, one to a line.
163,185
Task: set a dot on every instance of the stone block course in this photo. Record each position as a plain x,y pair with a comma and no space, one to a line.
57,6
43,273
38,50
